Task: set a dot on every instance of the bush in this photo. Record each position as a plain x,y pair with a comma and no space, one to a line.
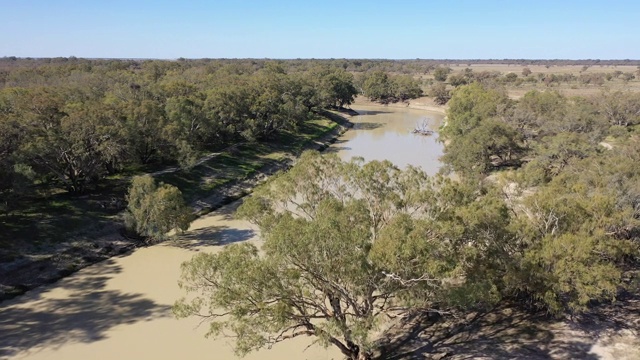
153,210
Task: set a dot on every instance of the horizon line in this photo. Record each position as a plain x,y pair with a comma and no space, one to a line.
11,57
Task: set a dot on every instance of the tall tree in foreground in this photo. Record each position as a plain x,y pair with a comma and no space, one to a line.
341,253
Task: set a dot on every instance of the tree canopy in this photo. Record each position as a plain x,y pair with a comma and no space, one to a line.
368,241
153,211
379,86
340,254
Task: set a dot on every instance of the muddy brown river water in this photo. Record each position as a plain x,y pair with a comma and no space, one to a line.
120,308
384,133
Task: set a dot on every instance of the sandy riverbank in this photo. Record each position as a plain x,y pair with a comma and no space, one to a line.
422,103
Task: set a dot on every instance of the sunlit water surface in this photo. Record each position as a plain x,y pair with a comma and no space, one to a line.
382,133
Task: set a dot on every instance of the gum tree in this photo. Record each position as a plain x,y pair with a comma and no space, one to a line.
154,210
341,254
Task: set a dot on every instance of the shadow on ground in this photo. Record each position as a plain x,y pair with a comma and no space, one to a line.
227,212
83,312
506,333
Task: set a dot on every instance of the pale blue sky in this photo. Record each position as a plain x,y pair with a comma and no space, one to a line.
541,29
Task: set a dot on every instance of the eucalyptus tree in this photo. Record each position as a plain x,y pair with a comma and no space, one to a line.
341,253
440,73
377,86
333,86
439,93
71,142
155,209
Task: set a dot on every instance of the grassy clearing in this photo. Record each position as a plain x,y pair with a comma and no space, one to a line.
38,222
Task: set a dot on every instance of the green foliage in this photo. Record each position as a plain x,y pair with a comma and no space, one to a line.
541,114
333,86
621,108
406,87
456,80
71,143
471,104
511,77
340,253
490,144
367,240
378,86
440,94
76,123
566,238
553,153
440,73
577,230
154,210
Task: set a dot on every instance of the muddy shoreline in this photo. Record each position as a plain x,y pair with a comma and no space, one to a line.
22,275
422,103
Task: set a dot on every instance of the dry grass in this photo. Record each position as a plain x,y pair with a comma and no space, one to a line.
574,88
553,69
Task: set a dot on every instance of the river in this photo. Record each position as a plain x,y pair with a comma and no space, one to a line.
384,133
120,308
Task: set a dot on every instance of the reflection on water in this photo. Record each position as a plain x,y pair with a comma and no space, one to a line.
381,133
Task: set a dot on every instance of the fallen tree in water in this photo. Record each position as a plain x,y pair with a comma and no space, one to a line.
422,128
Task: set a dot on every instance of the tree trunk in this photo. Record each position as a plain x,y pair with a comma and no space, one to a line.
354,352
362,356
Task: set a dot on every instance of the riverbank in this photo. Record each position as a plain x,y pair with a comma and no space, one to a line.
61,260
422,103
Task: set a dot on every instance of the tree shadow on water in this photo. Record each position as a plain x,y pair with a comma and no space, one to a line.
212,236
337,146
371,112
497,334
84,313
336,149
366,125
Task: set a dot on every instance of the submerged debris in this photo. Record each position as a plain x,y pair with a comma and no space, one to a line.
422,128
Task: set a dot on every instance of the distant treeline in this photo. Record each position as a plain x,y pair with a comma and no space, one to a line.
352,65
